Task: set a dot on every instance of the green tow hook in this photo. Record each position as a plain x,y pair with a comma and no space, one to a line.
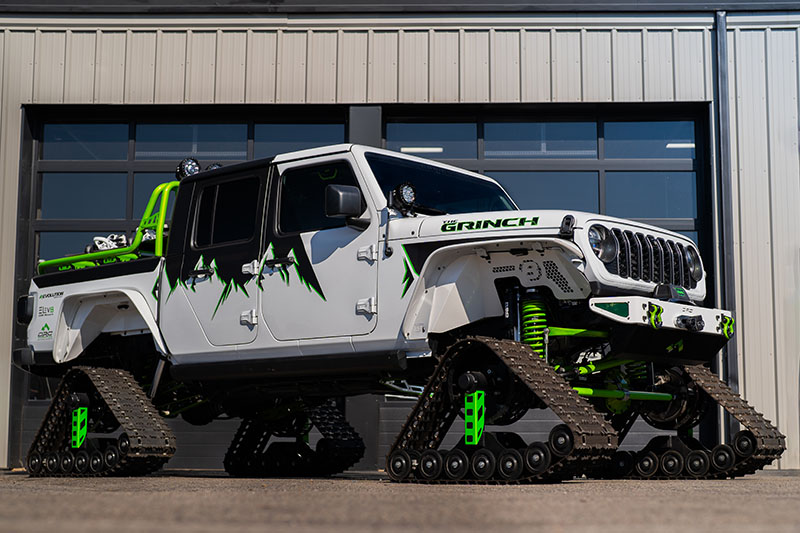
79,426
726,324
654,313
473,417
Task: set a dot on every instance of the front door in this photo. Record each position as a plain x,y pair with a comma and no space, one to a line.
220,262
320,275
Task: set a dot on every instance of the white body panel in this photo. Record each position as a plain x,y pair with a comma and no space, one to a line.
378,298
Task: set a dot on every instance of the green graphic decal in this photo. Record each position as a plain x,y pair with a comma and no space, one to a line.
654,313
79,427
473,417
727,326
515,222
410,273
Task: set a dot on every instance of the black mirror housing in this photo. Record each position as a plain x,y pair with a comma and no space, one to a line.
343,201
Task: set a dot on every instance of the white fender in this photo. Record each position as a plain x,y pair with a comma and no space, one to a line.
456,286
85,316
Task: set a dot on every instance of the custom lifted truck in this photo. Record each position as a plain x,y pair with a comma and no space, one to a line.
277,286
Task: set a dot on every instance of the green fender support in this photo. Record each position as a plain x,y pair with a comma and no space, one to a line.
473,417
79,427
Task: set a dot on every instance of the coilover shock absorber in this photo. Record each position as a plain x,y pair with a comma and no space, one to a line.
534,324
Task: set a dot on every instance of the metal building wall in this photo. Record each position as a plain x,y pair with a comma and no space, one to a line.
763,73
282,59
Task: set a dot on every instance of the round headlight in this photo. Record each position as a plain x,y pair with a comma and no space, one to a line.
693,259
405,195
188,167
603,243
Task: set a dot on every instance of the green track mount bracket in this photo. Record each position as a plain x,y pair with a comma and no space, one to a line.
79,426
473,417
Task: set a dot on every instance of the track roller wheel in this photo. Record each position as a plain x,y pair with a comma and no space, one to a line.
399,465
67,462
509,464
456,464
671,463
96,462
698,463
646,464
537,457
722,457
623,463
482,464
81,462
111,456
744,444
123,444
51,462
34,463
561,440
430,465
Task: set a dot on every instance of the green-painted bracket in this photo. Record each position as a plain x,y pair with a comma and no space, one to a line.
654,313
726,323
151,220
79,426
473,417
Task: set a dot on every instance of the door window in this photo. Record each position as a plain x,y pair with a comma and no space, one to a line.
227,212
302,196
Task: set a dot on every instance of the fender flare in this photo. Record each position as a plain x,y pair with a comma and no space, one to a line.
85,316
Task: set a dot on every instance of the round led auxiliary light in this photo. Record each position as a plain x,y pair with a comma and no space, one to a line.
405,195
188,167
603,243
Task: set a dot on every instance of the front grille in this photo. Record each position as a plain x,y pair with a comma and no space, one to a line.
650,258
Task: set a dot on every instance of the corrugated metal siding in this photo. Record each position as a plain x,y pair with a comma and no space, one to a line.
763,63
537,61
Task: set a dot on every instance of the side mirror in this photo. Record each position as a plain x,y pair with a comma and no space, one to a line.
345,201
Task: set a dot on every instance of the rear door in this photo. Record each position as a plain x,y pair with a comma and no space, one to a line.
320,276
220,262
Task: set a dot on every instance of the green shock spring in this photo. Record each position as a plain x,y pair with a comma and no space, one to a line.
636,370
534,324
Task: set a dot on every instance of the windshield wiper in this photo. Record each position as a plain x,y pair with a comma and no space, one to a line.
427,210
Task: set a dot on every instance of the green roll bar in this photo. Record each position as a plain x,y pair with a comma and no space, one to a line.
150,221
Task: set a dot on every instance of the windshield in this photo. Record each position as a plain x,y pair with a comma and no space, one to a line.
439,188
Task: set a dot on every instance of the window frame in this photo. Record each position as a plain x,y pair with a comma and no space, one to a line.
278,190
198,197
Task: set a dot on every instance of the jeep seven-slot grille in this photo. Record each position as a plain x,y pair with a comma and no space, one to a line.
649,258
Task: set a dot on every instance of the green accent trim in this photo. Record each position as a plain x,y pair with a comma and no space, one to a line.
473,417
617,308
79,426
570,332
150,220
410,263
623,395
654,313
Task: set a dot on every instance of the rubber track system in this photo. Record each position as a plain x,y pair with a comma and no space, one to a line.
152,443
595,441
339,448
769,442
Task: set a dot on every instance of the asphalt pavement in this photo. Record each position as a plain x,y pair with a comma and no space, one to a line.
192,501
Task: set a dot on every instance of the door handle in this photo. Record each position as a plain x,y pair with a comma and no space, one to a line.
279,261
202,272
